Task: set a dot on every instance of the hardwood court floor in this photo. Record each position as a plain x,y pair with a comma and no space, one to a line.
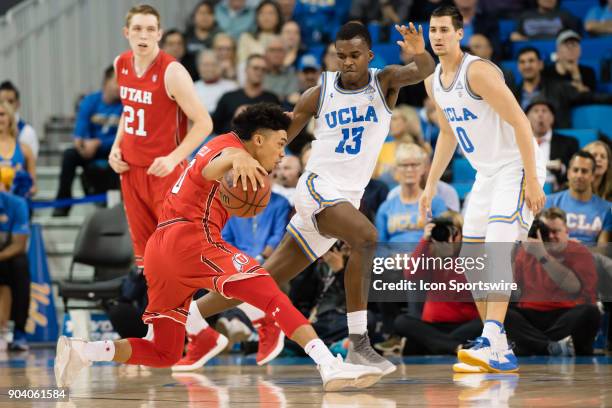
237,382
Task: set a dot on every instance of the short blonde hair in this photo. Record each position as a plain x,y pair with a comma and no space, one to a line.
410,151
142,9
10,112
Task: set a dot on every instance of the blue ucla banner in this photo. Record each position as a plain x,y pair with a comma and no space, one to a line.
42,321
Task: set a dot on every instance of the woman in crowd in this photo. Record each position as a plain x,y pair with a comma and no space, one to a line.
268,20
202,28
225,49
602,185
17,162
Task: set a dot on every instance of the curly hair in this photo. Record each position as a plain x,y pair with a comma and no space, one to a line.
260,116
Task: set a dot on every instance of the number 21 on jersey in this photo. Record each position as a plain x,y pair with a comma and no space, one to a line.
134,120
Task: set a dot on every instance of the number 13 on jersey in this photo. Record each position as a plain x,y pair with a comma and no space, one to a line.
134,119
354,146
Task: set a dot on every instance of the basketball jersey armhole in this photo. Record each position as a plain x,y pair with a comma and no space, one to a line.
380,90
166,81
322,90
467,82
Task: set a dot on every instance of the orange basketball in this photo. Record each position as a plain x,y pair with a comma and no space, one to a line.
243,203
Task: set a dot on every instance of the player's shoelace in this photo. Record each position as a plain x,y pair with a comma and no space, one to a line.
478,343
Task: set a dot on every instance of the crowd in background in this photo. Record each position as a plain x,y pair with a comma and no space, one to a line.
241,52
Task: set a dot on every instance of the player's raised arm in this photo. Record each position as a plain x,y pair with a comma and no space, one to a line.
422,65
306,107
445,148
488,83
180,87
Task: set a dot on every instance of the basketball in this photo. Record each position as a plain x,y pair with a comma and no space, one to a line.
241,203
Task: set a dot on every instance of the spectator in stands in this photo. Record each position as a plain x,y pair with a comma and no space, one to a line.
10,94
309,73
429,122
258,236
287,7
559,93
413,95
331,62
544,22
374,195
202,28
211,86
476,21
397,219
555,149
480,46
598,20
384,12
319,21
448,320
280,80
445,191
505,8
235,17
17,162
252,92
94,133
305,154
14,270
602,183
567,68
286,177
225,50
405,128
290,33
268,24
173,43
556,313
421,9
589,217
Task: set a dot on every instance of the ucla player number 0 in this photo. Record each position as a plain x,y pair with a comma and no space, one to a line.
464,140
353,148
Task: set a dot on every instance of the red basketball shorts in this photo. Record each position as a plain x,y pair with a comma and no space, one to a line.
179,261
143,196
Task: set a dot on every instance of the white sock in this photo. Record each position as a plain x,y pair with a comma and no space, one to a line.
357,322
99,350
251,311
492,330
195,322
318,351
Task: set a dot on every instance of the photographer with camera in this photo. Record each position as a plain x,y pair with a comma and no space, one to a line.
448,319
556,312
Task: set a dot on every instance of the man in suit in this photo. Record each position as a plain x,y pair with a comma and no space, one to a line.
556,149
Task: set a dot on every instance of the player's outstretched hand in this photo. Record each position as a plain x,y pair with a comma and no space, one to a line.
162,166
425,205
115,160
247,168
534,196
413,42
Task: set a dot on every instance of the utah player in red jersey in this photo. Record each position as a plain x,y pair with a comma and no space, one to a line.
186,252
152,142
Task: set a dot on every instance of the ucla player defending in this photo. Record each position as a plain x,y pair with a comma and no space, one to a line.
475,108
352,109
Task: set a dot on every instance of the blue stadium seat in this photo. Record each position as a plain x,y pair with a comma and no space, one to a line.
548,188
512,66
374,29
462,170
389,52
605,87
506,27
578,8
317,51
596,48
463,189
593,117
546,47
584,136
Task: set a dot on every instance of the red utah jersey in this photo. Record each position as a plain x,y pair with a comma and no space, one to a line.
195,198
153,123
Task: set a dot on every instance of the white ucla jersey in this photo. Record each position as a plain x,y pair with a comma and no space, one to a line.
350,129
487,141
